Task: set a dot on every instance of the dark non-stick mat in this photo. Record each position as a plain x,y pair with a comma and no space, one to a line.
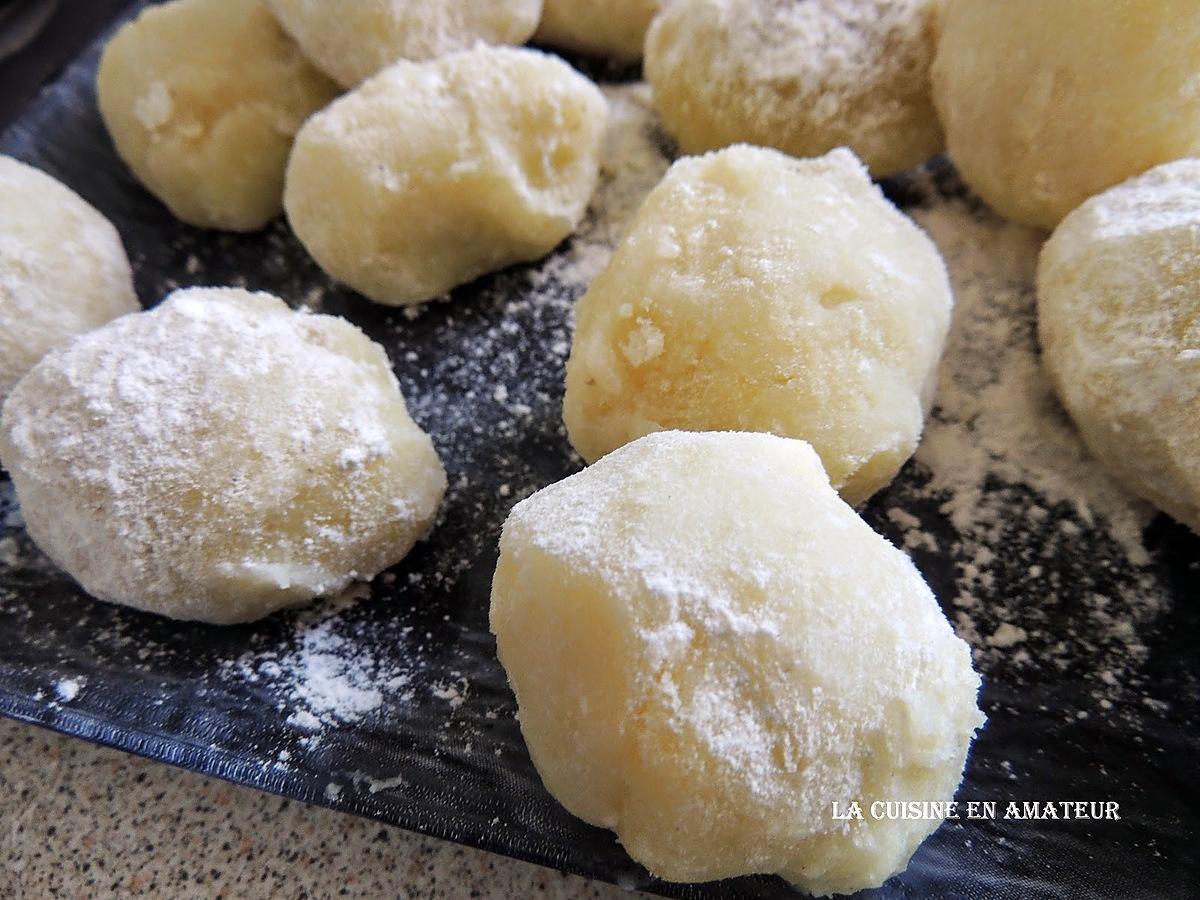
395,707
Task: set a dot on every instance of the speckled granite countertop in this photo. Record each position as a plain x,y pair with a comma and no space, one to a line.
78,820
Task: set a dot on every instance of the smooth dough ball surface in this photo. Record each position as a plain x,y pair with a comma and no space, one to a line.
203,99
802,77
432,174
611,28
1119,318
709,648
1046,104
352,41
219,458
63,270
756,292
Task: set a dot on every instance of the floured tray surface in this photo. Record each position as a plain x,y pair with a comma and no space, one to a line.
389,702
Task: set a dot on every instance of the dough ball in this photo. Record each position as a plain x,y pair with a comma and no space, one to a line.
203,99
709,649
63,270
1046,104
756,292
610,28
352,41
432,174
1118,297
219,458
804,77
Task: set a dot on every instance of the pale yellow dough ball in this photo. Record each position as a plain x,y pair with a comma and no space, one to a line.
63,270
757,292
432,174
804,77
219,458
202,99
1119,319
609,28
709,648
1048,103
353,40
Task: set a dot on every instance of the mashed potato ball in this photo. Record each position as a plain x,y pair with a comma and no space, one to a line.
202,99
63,270
804,77
1119,316
756,292
219,458
709,648
1046,104
352,41
432,174
610,28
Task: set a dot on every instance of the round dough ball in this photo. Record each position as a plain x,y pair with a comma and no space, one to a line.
432,174
352,41
1046,104
709,649
203,99
1118,297
63,270
611,28
756,292
802,77
219,458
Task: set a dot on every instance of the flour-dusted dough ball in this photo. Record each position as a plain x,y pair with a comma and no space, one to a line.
1046,104
352,41
1119,317
203,99
219,458
63,270
804,77
709,648
611,28
431,174
756,292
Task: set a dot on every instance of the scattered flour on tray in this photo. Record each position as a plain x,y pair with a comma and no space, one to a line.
326,678
68,689
1002,493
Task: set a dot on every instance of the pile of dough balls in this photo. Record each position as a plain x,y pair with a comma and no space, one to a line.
610,28
202,99
804,77
709,692
1118,304
353,40
201,460
1046,104
433,173
757,292
63,270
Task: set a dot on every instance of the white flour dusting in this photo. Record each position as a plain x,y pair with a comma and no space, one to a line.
1002,499
326,679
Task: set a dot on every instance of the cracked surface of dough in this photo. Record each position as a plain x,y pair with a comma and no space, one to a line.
759,292
431,174
202,99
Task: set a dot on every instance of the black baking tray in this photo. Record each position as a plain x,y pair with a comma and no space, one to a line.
443,755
